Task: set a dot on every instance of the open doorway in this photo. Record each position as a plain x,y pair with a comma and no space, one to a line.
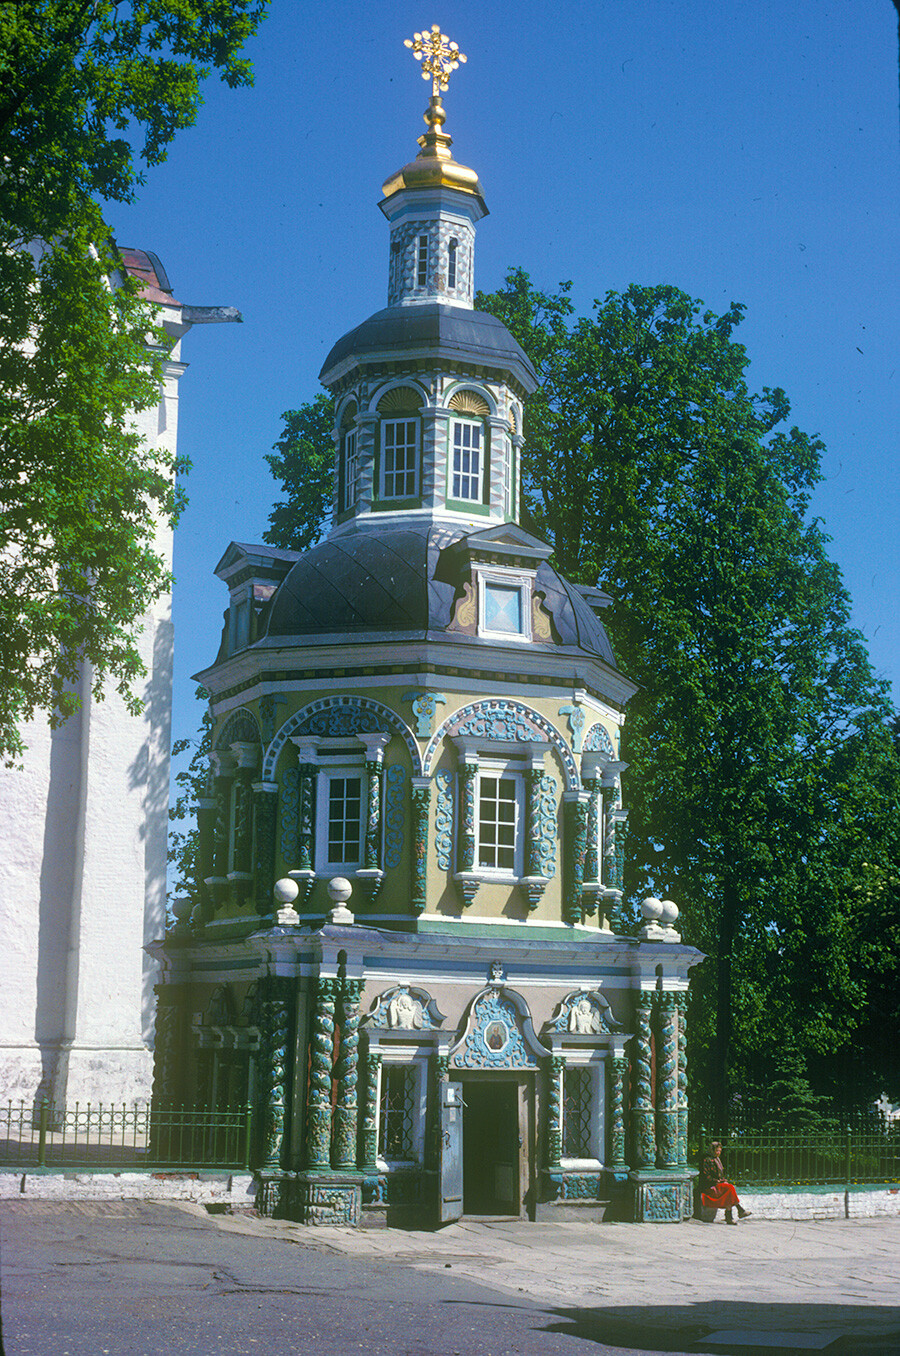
495,1145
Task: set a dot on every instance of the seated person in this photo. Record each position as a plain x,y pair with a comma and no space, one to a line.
715,1192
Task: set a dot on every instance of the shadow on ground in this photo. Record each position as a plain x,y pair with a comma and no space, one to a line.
731,1327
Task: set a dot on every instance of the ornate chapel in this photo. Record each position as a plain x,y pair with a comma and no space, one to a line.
399,951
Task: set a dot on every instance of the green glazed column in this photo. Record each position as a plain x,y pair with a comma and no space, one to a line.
273,1007
681,1002
346,1110
468,769
555,1066
642,1119
421,804
592,854
370,1113
318,1112
576,848
223,763
618,1069
667,1082
265,813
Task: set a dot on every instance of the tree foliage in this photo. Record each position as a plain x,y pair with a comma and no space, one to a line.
303,461
90,92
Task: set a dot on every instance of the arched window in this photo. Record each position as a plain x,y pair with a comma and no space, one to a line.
400,441
348,475
467,472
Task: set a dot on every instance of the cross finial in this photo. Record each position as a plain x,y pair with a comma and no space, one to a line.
438,55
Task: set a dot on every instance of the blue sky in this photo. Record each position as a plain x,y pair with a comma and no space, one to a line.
738,149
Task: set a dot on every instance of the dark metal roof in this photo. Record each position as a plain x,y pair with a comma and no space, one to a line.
433,328
405,579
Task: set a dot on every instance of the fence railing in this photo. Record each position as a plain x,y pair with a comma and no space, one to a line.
102,1136
755,1158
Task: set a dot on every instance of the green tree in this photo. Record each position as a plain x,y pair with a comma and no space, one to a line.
303,461
89,93
193,782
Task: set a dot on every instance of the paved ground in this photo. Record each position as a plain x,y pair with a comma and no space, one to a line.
766,1286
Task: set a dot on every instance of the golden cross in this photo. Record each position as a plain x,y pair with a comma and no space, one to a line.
438,55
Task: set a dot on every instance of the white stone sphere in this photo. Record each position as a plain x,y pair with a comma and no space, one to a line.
652,909
286,890
339,889
669,911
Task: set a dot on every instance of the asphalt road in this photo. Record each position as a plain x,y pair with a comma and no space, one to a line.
135,1279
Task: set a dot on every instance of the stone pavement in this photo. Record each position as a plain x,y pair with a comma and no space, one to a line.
765,1286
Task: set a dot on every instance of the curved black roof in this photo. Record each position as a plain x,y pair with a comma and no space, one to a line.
406,579
434,328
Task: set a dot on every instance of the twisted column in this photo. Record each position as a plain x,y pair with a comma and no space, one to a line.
592,854
556,1064
667,1082
618,1068
577,806
274,1021
370,1113
681,1004
421,802
468,769
346,1109
440,1068
643,1129
318,1108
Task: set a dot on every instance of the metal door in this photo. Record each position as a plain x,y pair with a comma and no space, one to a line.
451,1174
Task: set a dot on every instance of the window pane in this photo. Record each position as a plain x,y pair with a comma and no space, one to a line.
497,819
503,609
400,448
467,477
395,1129
351,471
422,261
577,1089
344,820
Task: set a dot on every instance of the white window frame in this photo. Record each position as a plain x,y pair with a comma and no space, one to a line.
330,770
513,771
506,578
350,459
477,425
597,1068
383,475
421,260
419,1070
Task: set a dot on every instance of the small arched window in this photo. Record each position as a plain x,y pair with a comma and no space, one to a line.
451,263
468,448
348,476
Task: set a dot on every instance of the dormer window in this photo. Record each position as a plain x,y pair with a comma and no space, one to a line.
504,603
451,264
422,261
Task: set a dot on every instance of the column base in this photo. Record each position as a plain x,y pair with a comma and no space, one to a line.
323,1198
662,1195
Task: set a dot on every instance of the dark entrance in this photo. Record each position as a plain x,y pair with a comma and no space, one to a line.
491,1147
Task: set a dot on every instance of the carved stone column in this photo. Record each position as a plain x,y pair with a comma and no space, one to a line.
614,819
371,871
535,881
576,803
265,811
370,1113
555,1066
468,885
440,1068
318,1115
681,1003
222,761
667,1082
618,1069
642,1120
592,855
346,1111
274,997
421,803
246,758
303,872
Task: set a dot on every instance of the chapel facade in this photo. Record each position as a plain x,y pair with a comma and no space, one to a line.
399,949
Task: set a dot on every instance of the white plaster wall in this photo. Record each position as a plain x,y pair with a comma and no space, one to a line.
82,874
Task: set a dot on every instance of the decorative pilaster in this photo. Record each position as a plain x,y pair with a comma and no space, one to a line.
346,1109
318,1115
246,758
370,1113
535,882
592,854
681,1004
421,802
274,1022
576,847
303,873
555,1066
223,766
265,811
642,1120
468,885
206,831
667,1082
618,1069
439,1069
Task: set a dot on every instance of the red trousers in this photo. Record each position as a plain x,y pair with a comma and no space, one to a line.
722,1196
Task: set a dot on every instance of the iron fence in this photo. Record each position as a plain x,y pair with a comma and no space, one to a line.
120,1137
758,1158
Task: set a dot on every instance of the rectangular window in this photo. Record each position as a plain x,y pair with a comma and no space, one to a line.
395,1124
503,609
498,822
451,264
422,261
344,821
400,456
577,1112
467,471
351,471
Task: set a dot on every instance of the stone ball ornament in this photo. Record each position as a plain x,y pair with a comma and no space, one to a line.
659,918
669,913
286,890
652,909
339,890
